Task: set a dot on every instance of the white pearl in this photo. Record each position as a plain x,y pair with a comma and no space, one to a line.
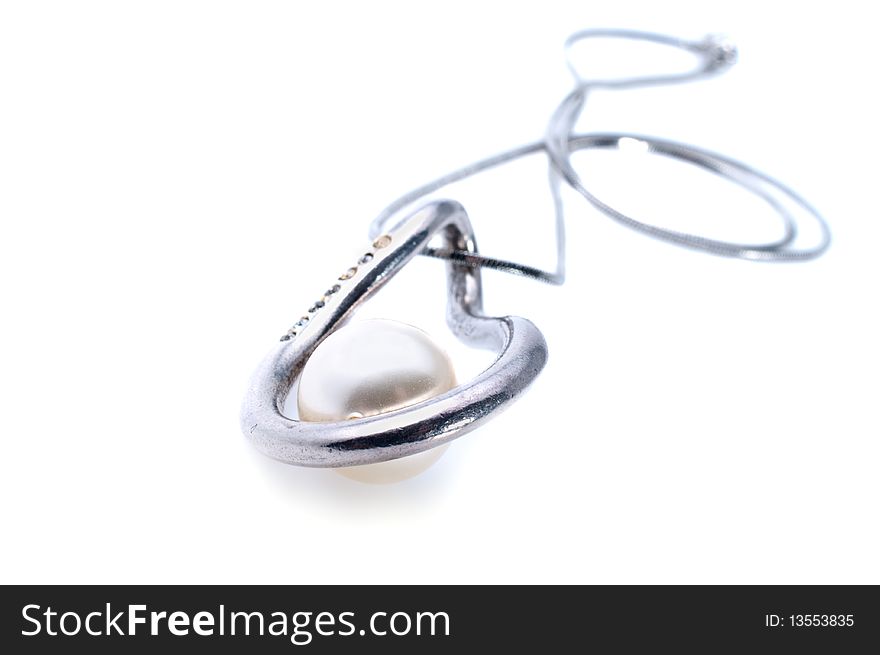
370,367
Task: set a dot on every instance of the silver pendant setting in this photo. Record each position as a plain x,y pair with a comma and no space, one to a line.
522,353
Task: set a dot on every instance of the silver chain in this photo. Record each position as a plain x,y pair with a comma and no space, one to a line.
714,55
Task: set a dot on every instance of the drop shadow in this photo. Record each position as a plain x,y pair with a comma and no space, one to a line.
345,498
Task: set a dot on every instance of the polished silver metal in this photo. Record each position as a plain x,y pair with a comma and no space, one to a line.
434,422
714,55
521,347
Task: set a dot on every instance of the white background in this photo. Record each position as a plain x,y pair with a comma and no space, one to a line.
178,180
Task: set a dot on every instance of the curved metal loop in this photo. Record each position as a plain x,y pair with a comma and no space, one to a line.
715,54
765,187
416,428
560,141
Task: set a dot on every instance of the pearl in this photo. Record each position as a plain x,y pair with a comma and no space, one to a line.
368,368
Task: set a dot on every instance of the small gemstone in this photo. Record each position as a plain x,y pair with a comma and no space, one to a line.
335,288
319,304
313,308
382,242
350,273
366,258
286,337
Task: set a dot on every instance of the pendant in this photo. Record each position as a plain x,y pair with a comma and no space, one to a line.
380,391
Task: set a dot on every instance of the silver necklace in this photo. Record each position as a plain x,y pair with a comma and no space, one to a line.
380,396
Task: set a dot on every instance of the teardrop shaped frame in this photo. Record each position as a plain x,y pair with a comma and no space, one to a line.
522,353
